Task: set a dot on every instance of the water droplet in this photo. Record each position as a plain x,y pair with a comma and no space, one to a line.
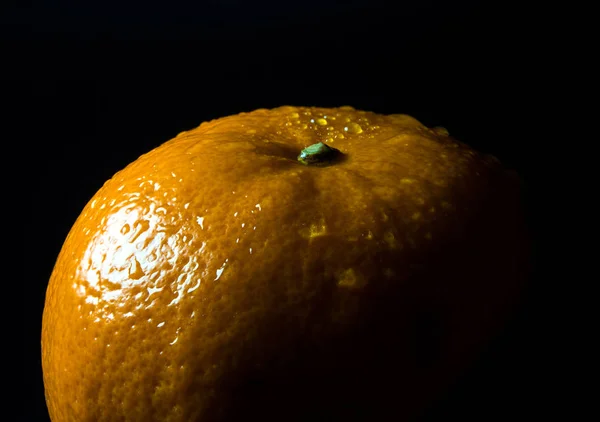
125,229
321,122
353,128
347,278
294,115
251,131
442,131
350,279
390,239
315,230
220,270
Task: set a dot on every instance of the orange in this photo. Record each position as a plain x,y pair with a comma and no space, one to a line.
233,274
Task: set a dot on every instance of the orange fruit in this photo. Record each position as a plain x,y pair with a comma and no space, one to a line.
286,264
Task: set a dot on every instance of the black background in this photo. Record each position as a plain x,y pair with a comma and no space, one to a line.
92,87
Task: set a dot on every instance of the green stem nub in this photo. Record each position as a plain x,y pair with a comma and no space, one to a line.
319,155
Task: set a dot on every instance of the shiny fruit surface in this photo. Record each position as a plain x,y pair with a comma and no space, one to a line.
233,273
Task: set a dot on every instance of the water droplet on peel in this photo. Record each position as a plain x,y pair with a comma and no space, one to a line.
442,131
353,128
125,229
350,279
321,122
220,270
390,239
294,115
315,230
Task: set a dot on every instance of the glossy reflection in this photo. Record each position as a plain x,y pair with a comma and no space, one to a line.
216,268
129,258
